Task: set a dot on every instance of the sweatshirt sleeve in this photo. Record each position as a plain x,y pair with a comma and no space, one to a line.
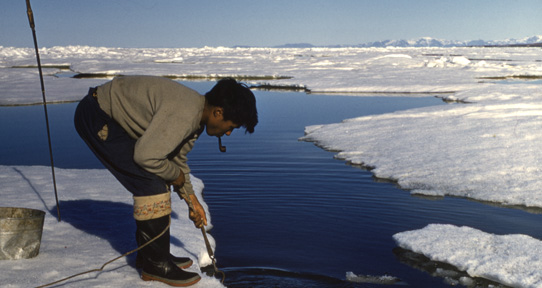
169,131
181,160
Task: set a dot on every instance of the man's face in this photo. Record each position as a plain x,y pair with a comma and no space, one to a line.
217,126
220,128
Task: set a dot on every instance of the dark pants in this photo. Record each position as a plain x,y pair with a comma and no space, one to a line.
116,152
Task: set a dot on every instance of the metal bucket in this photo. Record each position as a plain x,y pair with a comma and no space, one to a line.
20,232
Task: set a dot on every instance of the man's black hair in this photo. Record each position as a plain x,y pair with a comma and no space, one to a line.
237,100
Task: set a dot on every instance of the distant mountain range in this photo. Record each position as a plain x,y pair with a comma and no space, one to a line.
534,41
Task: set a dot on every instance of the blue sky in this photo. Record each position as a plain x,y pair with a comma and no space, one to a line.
198,23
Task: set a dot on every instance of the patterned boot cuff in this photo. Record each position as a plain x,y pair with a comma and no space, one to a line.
152,207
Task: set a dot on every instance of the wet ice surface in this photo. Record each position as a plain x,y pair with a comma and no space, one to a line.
513,260
487,150
87,237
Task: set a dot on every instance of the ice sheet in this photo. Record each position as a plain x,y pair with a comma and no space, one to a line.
513,260
488,149
88,236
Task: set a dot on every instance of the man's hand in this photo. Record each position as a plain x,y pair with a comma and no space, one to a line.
179,182
198,214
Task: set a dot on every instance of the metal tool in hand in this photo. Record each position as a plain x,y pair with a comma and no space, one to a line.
184,195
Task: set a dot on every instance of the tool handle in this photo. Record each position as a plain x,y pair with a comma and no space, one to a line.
184,195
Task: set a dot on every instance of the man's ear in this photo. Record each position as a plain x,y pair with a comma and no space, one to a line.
218,112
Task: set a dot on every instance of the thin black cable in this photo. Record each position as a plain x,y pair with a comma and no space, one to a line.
32,26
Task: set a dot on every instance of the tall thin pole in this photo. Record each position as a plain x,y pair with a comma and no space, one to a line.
32,26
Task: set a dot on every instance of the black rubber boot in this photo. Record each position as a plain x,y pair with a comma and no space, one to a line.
181,262
155,260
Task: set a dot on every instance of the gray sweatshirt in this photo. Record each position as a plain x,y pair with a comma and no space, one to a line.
163,115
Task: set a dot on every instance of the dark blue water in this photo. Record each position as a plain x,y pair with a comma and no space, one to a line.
285,213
